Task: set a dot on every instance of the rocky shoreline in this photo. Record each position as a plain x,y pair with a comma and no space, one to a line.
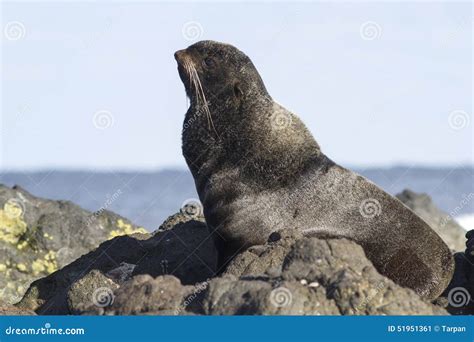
59,259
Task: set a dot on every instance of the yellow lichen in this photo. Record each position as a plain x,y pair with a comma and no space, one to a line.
47,264
12,225
21,267
38,266
125,229
21,245
3,267
47,236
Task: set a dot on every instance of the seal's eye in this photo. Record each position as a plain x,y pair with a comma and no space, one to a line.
209,62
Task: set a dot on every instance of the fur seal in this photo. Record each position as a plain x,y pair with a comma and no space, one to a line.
257,170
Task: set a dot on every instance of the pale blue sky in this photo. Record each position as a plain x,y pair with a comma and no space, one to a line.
368,102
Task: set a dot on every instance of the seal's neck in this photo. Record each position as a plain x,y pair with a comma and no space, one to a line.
266,142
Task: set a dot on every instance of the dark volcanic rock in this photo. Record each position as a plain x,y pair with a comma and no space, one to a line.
265,296
291,275
264,259
92,291
163,295
316,277
186,251
39,236
442,223
459,296
172,272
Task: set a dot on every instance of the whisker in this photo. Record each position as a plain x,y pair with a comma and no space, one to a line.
206,106
201,100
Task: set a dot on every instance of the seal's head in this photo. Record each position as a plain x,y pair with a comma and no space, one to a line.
232,116
217,73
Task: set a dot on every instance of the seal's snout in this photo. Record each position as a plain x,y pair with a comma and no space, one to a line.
180,55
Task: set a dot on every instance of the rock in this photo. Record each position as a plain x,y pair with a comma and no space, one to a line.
459,296
350,279
121,273
93,290
180,217
173,272
10,310
185,251
39,236
292,275
442,223
317,277
254,296
264,259
163,295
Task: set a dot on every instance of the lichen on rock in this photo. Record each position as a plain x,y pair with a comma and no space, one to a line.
39,236
124,228
12,225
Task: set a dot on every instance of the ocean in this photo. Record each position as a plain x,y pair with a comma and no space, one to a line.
148,198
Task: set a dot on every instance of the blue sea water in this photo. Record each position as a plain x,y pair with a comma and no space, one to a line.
147,198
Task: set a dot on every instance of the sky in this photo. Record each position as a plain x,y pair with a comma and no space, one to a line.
95,86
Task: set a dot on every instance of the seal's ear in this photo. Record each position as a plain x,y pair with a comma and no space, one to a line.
238,92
